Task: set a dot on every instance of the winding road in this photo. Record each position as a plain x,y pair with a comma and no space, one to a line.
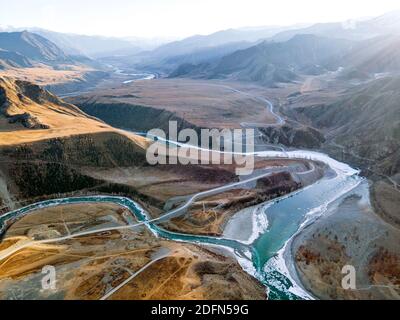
341,170
335,165
270,106
163,218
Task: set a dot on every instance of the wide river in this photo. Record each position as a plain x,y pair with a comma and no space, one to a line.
266,256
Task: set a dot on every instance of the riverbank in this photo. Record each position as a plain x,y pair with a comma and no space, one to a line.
349,234
285,218
92,263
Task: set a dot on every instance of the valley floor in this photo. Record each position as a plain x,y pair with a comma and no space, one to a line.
107,160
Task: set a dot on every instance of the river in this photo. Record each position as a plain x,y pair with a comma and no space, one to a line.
263,257
267,256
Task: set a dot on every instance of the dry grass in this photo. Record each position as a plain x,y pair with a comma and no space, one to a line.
88,267
203,103
62,119
45,75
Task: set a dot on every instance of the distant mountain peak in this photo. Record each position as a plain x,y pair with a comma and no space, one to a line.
32,46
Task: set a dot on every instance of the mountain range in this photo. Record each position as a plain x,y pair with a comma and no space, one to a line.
271,62
91,45
365,123
370,58
388,23
202,48
22,49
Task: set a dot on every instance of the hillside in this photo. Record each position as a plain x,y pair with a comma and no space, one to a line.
220,38
29,113
32,46
31,57
201,55
271,62
371,58
385,24
10,59
196,49
366,123
45,143
49,147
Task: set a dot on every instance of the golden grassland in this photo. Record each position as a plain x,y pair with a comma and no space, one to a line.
88,267
61,119
46,75
209,104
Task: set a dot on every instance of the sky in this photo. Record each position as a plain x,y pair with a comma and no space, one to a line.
179,18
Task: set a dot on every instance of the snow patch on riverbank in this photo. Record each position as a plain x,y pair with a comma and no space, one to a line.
247,225
338,167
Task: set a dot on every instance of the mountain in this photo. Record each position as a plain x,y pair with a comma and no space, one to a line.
212,45
386,24
202,55
29,113
32,46
219,38
28,56
370,58
365,121
271,62
46,145
10,59
26,105
92,46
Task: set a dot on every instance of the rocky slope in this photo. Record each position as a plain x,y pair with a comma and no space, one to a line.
293,136
33,107
365,122
134,117
44,143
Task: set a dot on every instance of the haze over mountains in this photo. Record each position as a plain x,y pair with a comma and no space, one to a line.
372,56
203,48
365,121
272,62
282,56
352,30
22,49
92,46
206,51
32,57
